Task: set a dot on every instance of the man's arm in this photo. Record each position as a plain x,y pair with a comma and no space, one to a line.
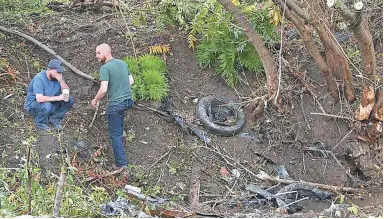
40,98
131,81
101,93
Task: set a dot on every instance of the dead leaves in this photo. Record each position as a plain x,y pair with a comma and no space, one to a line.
160,49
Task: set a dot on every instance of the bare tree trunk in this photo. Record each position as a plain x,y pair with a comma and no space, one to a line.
340,64
257,42
312,48
359,26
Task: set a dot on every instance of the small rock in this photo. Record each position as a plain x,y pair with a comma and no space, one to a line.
147,128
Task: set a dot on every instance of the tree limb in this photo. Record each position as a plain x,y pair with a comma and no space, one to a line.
257,42
50,51
59,194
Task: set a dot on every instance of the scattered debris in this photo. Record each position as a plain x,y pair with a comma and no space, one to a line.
136,192
224,172
122,207
8,96
282,172
203,136
252,136
236,173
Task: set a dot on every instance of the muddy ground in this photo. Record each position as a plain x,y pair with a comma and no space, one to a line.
280,137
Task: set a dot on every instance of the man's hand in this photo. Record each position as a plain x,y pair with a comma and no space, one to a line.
58,76
61,97
94,103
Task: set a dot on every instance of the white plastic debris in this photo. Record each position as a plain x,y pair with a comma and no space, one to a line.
236,173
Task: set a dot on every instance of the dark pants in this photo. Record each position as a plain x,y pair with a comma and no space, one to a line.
115,116
42,111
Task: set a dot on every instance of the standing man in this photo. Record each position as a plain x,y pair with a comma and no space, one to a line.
116,80
45,100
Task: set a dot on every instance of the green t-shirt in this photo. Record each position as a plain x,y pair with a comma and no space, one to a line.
117,74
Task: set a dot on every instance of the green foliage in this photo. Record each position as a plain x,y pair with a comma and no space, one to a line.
75,203
222,44
19,10
151,62
149,72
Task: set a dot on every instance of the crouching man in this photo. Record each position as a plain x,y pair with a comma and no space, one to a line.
48,97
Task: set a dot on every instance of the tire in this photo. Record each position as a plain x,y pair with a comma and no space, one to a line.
203,113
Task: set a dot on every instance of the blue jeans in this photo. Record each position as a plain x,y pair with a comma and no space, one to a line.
55,110
115,116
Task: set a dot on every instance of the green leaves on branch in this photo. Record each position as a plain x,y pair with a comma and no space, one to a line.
221,43
149,72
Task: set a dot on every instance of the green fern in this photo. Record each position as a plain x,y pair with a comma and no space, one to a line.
221,43
133,65
151,62
250,59
149,73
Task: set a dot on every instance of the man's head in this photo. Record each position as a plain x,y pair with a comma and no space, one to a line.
103,53
54,67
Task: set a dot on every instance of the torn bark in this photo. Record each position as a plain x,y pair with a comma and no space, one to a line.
366,104
377,111
50,51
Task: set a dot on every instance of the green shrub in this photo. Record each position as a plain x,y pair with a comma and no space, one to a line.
20,10
75,201
221,43
149,72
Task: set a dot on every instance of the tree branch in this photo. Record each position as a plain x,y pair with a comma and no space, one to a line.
50,51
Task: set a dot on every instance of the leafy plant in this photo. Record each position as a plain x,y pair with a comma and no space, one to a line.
76,202
20,10
149,73
219,42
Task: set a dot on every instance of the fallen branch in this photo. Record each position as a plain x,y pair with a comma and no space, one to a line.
50,51
264,176
94,115
59,193
104,175
162,157
333,116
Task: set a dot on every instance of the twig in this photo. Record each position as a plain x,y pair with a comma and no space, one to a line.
162,157
50,51
104,16
302,108
29,183
342,139
104,175
305,198
226,156
226,195
334,116
280,54
154,110
26,63
162,171
94,115
59,193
